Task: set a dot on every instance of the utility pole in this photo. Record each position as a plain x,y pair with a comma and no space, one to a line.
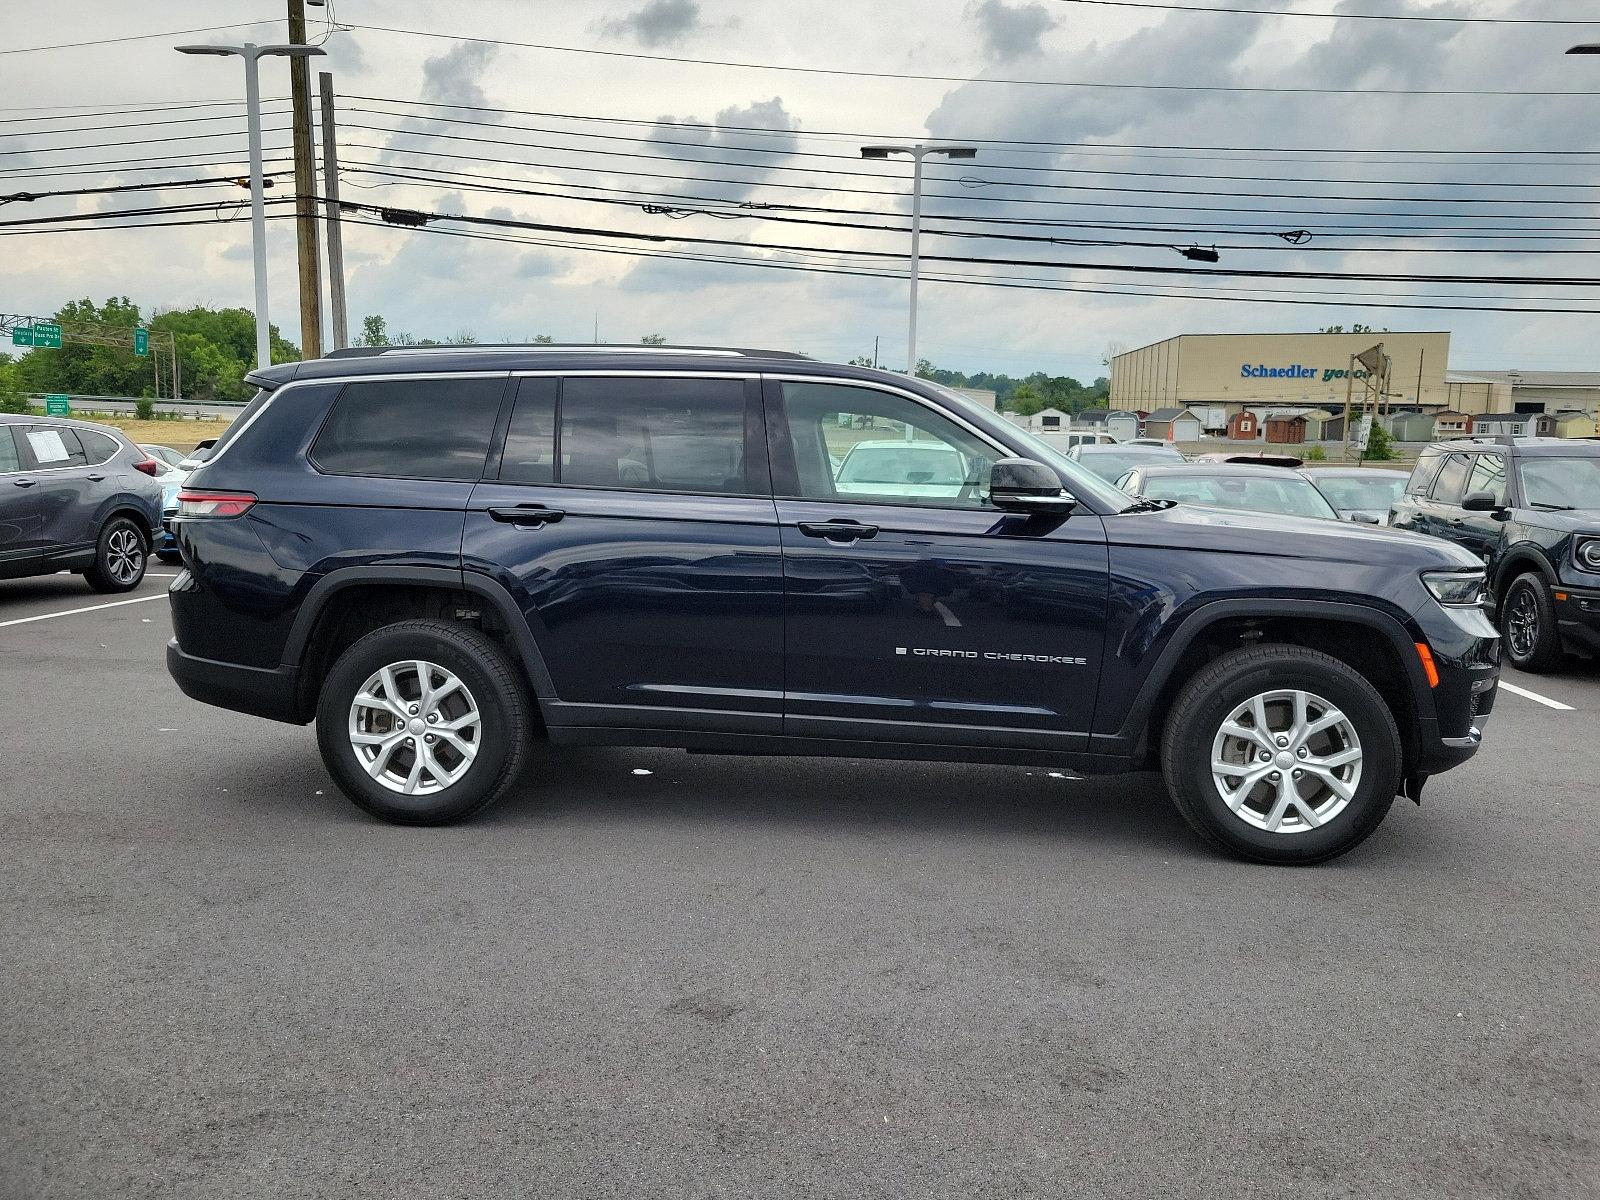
874,351
337,311
305,189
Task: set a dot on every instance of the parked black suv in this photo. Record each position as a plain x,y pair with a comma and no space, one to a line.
75,497
1529,509
444,555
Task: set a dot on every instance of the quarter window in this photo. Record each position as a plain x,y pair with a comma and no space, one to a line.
410,429
1447,489
1422,475
1488,475
860,444
97,446
657,434
8,452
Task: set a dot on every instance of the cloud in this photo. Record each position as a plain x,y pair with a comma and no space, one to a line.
1011,31
453,77
730,142
658,23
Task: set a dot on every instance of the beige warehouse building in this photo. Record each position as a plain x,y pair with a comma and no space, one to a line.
1291,370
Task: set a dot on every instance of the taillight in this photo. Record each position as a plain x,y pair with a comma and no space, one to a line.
214,504
148,466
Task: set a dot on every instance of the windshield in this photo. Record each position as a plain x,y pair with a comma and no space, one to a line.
1290,495
1351,494
1560,482
1080,482
1112,466
903,464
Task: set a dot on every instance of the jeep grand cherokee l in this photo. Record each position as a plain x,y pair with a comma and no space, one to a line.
440,556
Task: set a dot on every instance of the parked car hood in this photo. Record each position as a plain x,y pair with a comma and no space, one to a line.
1577,520
1192,527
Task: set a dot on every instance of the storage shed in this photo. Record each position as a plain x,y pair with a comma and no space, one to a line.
1452,424
1286,430
1173,425
1409,425
1124,426
1243,427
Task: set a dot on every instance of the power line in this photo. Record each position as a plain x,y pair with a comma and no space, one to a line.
125,164
788,153
139,37
71,112
948,137
179,137
161,185
238,116
1340,16
853,74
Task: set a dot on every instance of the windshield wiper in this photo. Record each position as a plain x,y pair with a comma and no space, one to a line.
1552,507
1147,505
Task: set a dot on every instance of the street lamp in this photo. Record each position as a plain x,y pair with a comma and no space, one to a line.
917,153
252,53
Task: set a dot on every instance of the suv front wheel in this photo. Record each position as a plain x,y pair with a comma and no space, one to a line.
424,722
1528,626
1282,755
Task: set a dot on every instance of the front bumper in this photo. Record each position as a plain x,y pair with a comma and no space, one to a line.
1465,647
1578,617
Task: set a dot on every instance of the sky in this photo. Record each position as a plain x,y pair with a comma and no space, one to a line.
447,125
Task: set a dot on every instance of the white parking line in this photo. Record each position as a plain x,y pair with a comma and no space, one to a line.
72,612
1535,697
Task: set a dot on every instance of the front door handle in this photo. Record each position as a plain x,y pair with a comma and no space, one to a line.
96,478
527,516
24,482
842,530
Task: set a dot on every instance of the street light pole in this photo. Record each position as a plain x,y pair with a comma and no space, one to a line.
917,153
252,54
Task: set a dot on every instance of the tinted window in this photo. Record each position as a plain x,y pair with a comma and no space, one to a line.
1489,475
530,450
410,429
98,446
8,451
1422,474
863,444
1447,489
55,446
1348,492
671,435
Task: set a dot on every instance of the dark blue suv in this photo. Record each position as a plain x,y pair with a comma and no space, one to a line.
443,555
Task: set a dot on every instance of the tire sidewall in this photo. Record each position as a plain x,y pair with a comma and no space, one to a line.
358,663
1544,614
1380,768
100,576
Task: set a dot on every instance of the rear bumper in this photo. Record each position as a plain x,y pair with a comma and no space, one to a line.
260,691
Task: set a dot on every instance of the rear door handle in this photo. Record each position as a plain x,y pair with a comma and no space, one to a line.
24,482
842,530
96,478
527,516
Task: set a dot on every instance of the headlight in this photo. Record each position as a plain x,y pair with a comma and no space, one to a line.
1457,588
1587,552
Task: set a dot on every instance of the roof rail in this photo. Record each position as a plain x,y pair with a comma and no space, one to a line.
558,348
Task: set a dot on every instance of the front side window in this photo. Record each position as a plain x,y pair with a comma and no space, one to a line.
1489,475
410,429
1448,488
854,443
683,434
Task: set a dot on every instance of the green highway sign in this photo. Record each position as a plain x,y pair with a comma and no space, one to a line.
22,335
47,333
141,342
58,406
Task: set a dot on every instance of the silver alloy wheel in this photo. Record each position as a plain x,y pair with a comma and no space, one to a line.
415,727
124,555
1286,761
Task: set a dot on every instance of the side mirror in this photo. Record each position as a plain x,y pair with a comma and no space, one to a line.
1480,502
1022,485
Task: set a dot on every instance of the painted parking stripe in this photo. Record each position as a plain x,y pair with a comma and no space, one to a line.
72,612
1535,697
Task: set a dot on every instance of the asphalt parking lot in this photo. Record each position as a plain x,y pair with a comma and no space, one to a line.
655,974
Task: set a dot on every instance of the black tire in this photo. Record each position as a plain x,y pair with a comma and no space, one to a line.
1196,718
496,687
1534,646
121,555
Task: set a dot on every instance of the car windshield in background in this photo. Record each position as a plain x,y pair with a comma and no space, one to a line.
906,463
1351,494
1290,495
1561,482
1112,465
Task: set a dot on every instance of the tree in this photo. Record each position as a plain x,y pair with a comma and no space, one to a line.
1026,400
653,339
1380,448
542,339
926,370
862,360
374,331
462,337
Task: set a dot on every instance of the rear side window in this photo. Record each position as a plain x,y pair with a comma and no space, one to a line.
657,434
99,447
1447,489
410,429
1422,474
55,446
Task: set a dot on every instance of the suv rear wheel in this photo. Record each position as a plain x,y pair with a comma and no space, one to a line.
424,722
1282,755
120,557
1528,626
